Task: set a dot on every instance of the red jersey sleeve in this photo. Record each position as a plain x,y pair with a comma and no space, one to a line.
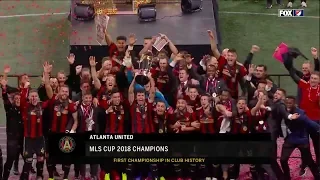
243,71
112,49
193,117
45,104
303,84
221,62
72,107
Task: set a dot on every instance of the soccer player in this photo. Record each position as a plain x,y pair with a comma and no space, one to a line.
14,129
61,109
117,121
182,120
141,112
206,116
161,119
87,123
231,71
33,136
116,49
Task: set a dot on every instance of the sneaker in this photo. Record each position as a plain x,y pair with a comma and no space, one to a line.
107,176
162,178
15,171
269,6
303,172
289,5
50,179
124,176
303,4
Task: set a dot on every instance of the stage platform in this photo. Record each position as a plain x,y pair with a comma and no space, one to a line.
181,29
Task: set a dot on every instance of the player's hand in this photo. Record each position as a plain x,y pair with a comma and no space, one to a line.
27,84
132,39
195,124
254,49
314,52
228,113
6,69
71,58
95,102
92,61
295,116
210,33
78,69
183,128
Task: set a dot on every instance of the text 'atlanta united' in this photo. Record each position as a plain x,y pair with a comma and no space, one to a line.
108,137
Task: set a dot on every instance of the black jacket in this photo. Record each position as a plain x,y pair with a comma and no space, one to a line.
278,113
13,118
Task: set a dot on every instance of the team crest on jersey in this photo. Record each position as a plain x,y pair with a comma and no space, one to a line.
56,108
104,97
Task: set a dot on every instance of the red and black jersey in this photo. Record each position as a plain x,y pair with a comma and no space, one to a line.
115,55
162,81
207,120
141,117
60,113
237,73
241,123
32,116
259,121
161,122
115,121
103,96
194,104
184,118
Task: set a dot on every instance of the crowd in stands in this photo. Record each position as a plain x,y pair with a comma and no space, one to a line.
175,95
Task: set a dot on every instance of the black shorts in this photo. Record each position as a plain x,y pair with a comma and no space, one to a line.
34,146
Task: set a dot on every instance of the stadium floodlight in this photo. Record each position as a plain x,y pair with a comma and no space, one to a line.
84,12
191,6
147,12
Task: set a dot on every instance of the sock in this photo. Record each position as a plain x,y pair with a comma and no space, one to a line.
39,166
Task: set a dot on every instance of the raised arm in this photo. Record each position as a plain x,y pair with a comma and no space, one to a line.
6,71
147,47
172,47
108,38
288,64
193,73
257,107
96,81
47,68
315,55
213,45
6,102
152,88
249,58
131,90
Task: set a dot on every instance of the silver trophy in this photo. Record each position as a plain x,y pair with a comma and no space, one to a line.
145,63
